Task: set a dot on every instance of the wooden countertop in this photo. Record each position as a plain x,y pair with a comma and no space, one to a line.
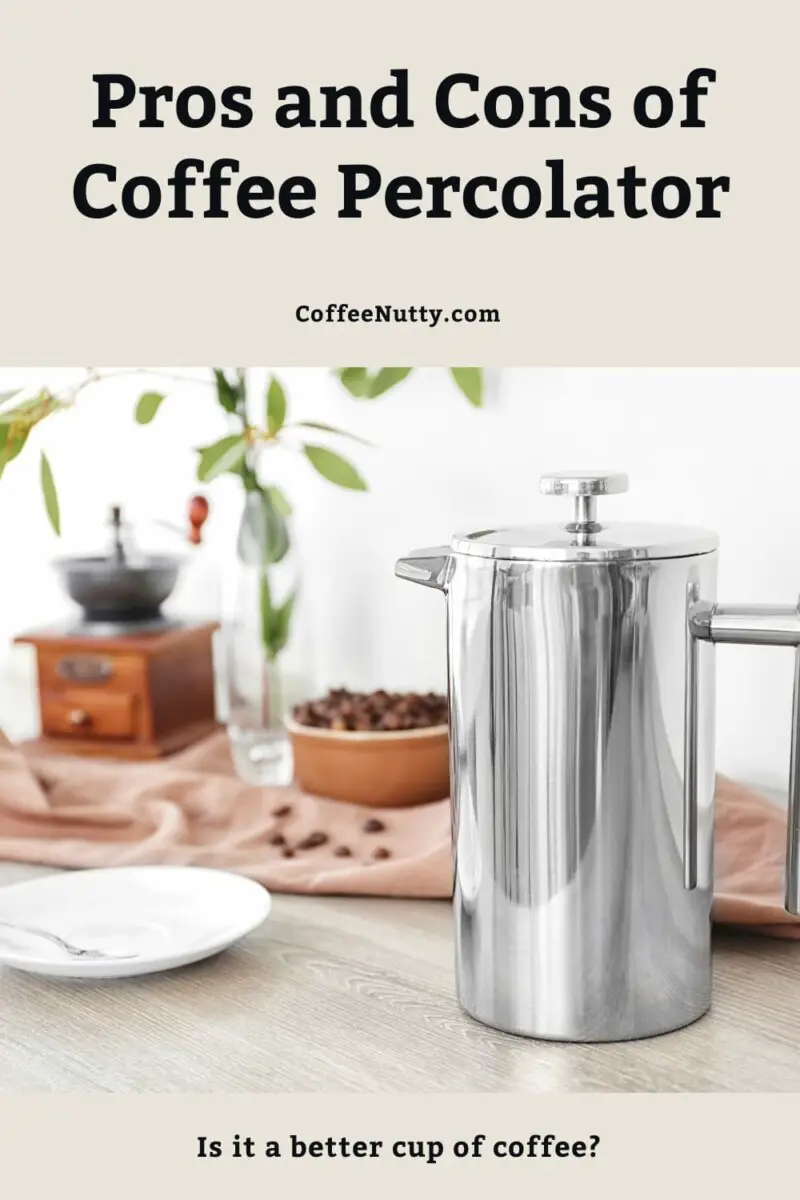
335,994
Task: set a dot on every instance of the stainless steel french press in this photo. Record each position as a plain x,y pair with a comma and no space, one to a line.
581,690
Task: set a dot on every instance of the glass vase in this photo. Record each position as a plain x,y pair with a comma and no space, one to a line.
257,629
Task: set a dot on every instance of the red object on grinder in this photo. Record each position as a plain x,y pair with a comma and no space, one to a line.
198,515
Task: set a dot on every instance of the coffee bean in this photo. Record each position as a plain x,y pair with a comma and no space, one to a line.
381,852
283,811
373,825
312,841
288,852
277,839
346,711
343,852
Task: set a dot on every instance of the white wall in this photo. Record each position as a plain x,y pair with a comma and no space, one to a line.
717,448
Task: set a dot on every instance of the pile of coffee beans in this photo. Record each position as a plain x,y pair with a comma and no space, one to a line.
379,711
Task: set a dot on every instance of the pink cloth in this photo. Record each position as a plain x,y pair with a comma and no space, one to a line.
192,809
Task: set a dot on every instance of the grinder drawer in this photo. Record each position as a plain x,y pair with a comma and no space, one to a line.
69,671
88,714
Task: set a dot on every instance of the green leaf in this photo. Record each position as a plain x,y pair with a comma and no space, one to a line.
385,379
228,394
334,468
328,429
50,495
225,455
276,530
147,406
275,621
16,423
355,379
4,396
280,623
280,501
31,412
276,407
266,613
10,447
15,416
364,386
264,532
242,470
470,381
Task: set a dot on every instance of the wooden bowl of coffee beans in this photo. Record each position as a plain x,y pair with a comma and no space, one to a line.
379,749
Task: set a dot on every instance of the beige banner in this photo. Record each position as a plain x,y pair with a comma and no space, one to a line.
624,291
668,1147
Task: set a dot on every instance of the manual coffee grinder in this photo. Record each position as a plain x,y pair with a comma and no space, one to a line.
124,679
581,692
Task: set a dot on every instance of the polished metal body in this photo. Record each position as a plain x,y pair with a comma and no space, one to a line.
581,715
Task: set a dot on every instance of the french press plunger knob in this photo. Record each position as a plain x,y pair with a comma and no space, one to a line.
584,487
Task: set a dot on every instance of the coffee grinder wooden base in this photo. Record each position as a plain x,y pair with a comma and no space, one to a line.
138,695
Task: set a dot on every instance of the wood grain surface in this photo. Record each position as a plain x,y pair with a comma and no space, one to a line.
357,995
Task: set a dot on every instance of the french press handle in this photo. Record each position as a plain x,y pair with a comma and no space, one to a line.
742,625
584,487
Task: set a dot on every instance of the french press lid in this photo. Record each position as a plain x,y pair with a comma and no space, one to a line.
585,538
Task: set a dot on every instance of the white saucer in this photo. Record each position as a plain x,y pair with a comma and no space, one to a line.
166,916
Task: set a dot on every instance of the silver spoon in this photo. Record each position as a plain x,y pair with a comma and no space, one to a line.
68,947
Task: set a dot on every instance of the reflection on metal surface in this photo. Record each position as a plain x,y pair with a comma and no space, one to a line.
691,719
568,719
581,683
84,668
567,693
